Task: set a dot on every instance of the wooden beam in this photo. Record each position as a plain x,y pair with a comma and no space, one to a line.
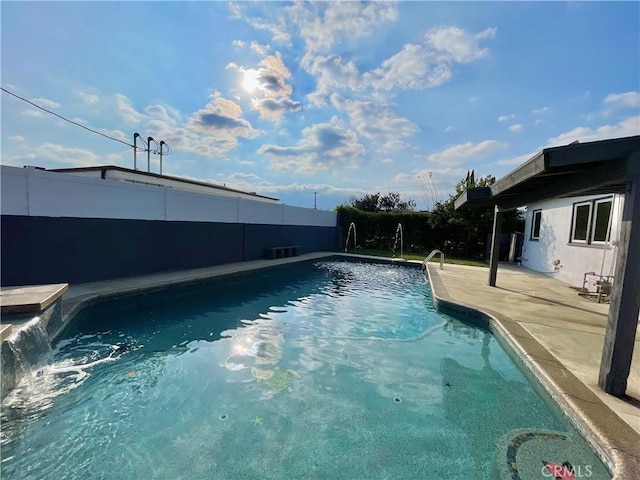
495,246
533,167
625,302
607,173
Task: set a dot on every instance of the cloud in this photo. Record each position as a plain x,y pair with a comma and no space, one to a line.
270,81
259,49
277,29
323,25
88,98
219,125
237,43
516,128
325,145
374,120
16,138
411,68
450,128
125,109
45,102
275,108
504,118
332,74
538,111
460,153
454,44
49,153
628,127
32,112
616,101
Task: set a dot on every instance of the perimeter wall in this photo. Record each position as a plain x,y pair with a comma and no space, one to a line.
60,227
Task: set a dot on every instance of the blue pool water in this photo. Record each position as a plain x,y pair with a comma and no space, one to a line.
331,370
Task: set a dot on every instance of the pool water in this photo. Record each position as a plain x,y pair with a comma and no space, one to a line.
327,370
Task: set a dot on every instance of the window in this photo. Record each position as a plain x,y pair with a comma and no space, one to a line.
535,224
591,221
601,219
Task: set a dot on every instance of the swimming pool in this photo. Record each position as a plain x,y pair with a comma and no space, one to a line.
316,370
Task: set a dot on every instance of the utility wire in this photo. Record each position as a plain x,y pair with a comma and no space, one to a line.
65,119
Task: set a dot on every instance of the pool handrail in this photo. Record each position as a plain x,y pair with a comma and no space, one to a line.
431,255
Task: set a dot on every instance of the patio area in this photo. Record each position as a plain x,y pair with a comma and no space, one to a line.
560,336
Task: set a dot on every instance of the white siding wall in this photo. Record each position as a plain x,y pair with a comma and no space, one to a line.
29,191
554,243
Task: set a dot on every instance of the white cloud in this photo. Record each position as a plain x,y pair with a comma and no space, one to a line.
259,49
504,118
454,44
374,120
214,129
45,102
411,68
450,128
617,101
88,98
50,153
516,128
323,25
538,111
125,109
324,146
33,113
16,138
628,127
332,74
237,43
457,154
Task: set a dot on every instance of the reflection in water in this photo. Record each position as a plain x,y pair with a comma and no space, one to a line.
485,405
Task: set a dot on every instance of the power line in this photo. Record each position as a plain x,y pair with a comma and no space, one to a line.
65,119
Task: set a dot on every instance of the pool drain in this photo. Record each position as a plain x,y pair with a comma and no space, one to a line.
397,399
223,416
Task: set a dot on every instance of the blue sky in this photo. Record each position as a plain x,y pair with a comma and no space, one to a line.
338,98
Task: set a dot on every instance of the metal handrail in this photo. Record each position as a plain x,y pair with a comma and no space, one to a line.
430,256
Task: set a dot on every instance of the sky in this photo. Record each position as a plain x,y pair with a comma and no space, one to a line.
316,103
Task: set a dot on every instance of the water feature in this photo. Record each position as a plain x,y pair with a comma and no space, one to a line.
25,350
395,244
352,227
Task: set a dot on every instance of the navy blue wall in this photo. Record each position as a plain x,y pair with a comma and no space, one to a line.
39,250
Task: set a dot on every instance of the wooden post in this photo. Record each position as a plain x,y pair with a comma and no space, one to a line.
625,302
495,246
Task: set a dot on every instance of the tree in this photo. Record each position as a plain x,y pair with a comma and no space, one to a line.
374,202
464,232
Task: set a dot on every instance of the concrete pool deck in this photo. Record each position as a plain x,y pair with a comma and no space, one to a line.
560,336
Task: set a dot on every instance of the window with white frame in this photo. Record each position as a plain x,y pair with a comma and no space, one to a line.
591,221
536,220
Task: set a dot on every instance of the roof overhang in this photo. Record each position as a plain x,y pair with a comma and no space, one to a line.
577,169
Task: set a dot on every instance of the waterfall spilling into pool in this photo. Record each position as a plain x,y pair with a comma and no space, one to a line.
23,352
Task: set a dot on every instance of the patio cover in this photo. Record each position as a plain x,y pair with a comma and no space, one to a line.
603,167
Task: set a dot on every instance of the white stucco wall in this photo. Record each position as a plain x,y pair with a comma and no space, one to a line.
34,192
554,254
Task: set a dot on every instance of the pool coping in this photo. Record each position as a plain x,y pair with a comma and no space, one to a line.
613,440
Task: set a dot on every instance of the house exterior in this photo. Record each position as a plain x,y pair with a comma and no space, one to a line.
573,239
